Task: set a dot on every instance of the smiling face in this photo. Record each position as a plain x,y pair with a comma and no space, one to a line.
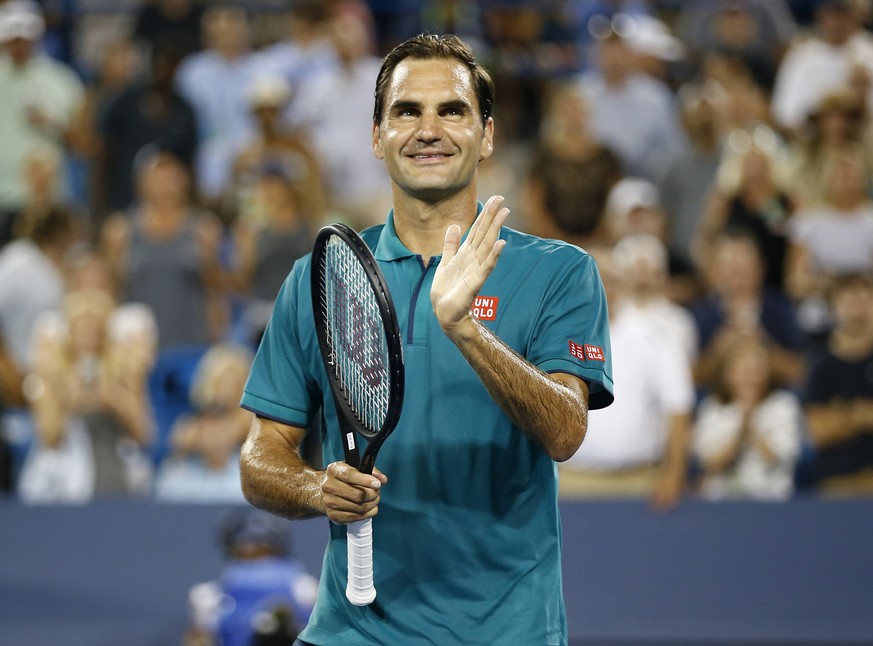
431,135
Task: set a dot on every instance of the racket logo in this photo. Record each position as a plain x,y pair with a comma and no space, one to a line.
350,440
358,335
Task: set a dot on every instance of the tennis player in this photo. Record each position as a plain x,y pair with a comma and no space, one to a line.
506,350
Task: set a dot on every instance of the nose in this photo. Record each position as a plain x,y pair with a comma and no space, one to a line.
428,127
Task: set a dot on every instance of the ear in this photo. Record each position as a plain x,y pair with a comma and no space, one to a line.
487,140
377,142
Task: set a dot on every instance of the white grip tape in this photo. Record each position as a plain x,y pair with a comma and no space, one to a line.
360,590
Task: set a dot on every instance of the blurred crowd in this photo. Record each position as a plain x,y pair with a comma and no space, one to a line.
164,162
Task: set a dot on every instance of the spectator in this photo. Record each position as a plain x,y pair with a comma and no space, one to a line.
11,397
738,303
41,97
634,207
270,234
744,102
158,22
149,112
164,253
631,112
304,54
203,465
747,433
837,124
571,171
89,402
838,49
835,238
758,31
31,277
751,192
838,395
341,130
120,64
638,448
261,578
529,45
275,144
214,81
658,52
642,260
690,175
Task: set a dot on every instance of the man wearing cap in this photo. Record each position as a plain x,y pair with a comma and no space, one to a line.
40,98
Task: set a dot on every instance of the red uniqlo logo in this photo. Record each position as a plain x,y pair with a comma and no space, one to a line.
586,352
485,308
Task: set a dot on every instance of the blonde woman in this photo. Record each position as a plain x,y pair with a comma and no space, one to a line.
204,462
89,401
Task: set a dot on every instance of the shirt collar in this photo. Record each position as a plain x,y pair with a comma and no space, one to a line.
389,247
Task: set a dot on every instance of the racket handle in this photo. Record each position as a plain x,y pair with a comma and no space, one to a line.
360,590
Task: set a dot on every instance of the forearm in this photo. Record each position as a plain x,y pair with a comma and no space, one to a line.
274,475
831,423
131,408
550,412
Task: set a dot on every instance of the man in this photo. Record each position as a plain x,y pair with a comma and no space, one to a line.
467,537
838,393
838,53
639,448
214,82
40,98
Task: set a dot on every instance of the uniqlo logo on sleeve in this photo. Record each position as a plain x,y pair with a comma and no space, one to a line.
586,352
485,307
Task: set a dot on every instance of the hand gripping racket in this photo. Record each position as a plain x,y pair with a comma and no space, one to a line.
362,350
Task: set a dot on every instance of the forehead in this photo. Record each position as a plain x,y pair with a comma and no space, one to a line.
437,79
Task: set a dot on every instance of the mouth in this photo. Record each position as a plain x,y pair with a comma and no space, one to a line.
426,157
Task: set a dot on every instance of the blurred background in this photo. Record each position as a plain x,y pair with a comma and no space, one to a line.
163,164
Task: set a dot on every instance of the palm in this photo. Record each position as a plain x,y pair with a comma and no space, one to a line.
465,267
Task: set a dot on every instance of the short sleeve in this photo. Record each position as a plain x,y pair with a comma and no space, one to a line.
280,385
571,333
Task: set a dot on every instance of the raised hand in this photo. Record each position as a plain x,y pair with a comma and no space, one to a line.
464,267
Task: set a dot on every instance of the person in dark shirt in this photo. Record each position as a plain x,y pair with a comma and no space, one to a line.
146,113
838,394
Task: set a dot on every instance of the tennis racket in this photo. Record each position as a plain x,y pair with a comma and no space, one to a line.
362,351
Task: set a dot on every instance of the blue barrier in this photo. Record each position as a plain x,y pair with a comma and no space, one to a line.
706,573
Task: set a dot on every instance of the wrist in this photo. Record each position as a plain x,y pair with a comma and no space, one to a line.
463,330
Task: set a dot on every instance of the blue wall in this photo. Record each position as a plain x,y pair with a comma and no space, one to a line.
704,573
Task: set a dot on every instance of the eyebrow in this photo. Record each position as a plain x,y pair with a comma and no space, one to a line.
458,104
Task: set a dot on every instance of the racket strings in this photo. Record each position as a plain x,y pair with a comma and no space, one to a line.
355,335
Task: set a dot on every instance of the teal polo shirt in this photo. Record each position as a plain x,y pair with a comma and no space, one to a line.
467,542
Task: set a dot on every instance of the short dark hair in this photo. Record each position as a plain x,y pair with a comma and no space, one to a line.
431,46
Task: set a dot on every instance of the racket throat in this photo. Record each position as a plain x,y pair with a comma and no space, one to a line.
350,445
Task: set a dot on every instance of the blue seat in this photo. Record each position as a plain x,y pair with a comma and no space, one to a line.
169,388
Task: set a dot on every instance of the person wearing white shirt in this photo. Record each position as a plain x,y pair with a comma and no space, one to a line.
838,49
336,111
747,433
215,81
639,447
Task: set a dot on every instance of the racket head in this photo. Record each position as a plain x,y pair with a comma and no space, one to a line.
358,335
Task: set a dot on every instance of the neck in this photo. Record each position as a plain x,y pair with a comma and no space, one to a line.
421,225
852,344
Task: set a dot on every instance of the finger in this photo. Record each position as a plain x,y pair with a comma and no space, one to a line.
491,236
483,222
342,472
451,243
382,477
